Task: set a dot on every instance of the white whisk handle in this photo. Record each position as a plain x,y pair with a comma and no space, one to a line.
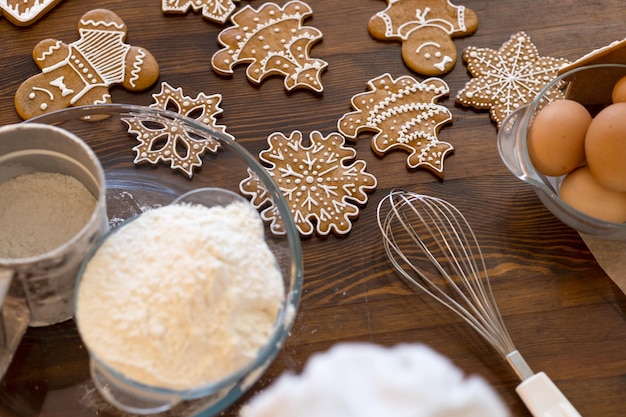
544,399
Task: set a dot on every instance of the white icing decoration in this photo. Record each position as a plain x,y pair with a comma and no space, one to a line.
28,12
325,183
60,84
215,10
137,67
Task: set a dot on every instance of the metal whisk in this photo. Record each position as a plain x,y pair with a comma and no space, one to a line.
433,248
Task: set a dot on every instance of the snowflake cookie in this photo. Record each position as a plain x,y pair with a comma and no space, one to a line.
215,10
25,12
426,29
508,78
322,182
169,139
404,114
272,41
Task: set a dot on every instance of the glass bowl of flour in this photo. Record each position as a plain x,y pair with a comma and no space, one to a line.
191,295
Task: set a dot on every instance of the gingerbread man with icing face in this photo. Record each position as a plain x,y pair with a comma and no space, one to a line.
82,72
426,29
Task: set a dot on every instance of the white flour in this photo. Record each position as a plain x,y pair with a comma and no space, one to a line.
368,380
40,211
181,296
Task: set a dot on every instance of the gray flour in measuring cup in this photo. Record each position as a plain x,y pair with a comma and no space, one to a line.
181,296
41,211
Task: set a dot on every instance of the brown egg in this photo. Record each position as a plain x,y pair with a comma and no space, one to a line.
619,91
556,137
605,147
581,191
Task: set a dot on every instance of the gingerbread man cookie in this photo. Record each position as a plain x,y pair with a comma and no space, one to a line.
215,10
322,182
426,29
404,114
272,41
26,12
82,72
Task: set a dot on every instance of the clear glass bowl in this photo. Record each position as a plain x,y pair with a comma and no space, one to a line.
594,92
134,188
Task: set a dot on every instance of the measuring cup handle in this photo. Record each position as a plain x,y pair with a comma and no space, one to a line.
6,275
544,399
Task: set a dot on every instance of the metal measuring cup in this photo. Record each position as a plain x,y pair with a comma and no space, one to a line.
39,290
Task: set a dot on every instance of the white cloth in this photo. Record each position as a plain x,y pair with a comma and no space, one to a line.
367,380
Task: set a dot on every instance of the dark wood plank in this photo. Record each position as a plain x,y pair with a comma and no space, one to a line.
563,312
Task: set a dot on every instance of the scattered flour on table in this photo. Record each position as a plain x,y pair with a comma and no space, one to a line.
182,295
41,211
368,380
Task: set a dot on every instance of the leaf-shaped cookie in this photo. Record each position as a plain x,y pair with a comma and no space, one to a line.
404,114
272,41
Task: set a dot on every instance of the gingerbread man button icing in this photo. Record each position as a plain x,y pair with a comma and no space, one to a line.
26,12
272,41
81,72
426,29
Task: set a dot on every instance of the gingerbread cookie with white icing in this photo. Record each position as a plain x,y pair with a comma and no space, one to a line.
26,12
426,29
509,78
272,40
81,72
215,10
322,182
160,138
404,114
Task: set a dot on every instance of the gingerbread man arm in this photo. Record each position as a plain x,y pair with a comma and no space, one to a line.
141,69
50,52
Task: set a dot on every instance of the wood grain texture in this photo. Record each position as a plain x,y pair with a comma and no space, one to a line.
563,312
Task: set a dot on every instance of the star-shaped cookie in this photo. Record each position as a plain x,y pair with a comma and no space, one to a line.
508,78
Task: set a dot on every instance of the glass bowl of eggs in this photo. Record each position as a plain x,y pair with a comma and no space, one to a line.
568,144
189,297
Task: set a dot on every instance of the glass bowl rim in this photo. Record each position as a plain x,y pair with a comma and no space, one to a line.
286,315
539,180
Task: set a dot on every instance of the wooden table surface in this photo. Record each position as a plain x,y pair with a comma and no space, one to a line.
564,313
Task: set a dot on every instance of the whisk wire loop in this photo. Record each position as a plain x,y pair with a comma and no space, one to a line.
434,249
444,237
